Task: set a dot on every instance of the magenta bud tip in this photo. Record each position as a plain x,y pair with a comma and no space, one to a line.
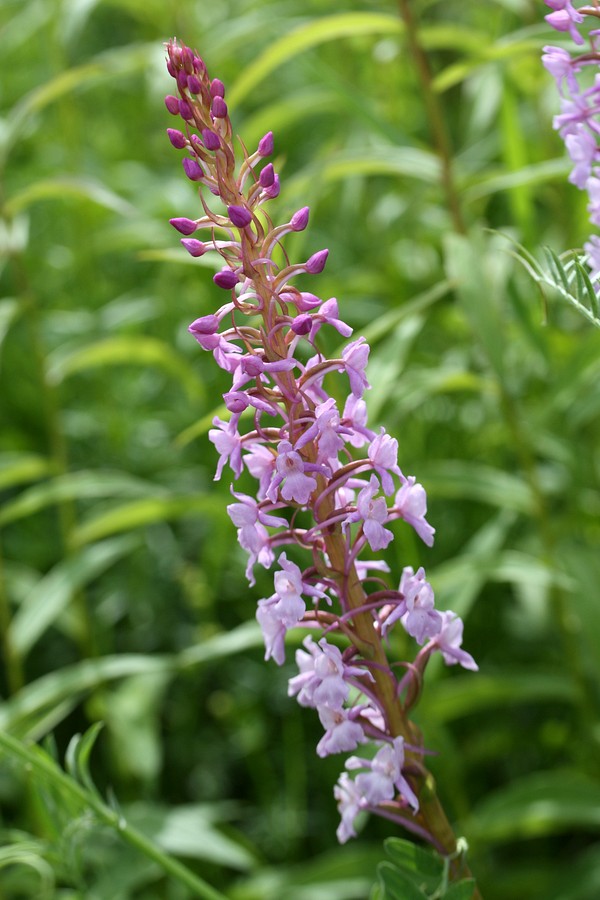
219,108
267,176
185,110
225,279
194,247
211,140
217,88
317,261
302,324
192,169
239,215
172,104
299,220
183,225
205,325
265,145
177,138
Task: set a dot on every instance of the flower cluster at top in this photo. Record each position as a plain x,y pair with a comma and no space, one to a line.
579,120
326,485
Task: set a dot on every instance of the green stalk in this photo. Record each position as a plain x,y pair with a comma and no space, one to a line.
45,766
437,122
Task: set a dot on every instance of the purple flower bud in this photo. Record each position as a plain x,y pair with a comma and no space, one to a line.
219,108
171,69
183,226
236,401
172,104
177,138
239,215
197,143
211,140
187,59
302,324
199,66
192,169
217,88
316,263
225,279
181,80
265,145
174,54
193,84
267,176
204,325
299,220
185,110
194,247
273,191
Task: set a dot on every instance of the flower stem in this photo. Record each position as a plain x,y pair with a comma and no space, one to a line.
437,122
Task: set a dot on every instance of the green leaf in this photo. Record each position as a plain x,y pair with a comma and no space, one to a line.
9,310
465,695
427,866
19,468
397,885
77,756
526,176
190,831
23,711
83,485
139,513
462,890
544,803
469,263
54,591
319,31
125,351
476,481
63,187
114,63
388,160
557,268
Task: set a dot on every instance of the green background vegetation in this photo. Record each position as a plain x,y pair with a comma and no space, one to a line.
122,590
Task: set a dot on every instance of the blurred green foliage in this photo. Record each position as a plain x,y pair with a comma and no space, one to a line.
122,590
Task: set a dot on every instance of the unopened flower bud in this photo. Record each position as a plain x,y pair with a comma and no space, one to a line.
181,80
177,138
225,279
185,110
183,226
299,220
211,140
267,176
187,59
219,108
217,88
302,324
273,191
317,261
235,401
192,169
172,104
194,247
265,145
205,325
239,215
193,84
